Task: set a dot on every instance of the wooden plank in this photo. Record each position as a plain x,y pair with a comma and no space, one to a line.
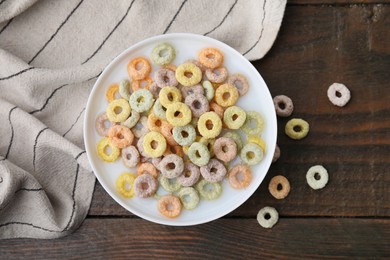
305,238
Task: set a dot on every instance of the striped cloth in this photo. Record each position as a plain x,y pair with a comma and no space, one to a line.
51,53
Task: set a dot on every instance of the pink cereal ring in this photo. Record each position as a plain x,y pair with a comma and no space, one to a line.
130,156
225,149
101,124
217,75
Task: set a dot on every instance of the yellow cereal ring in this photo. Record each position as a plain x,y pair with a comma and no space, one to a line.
178,114
169,95
154,144
125,184
188,68
101,149
234,117
297,128
113,106
257,140
111,91
209,125
226,95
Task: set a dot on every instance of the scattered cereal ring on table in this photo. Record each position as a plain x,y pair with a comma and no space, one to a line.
163,54
198,104
338,94
113,113
189,90
141,100
214,171
297,128
240,82
217,75
226,95
120,136
236,137
225,149
209,125
141,127
279,187
154,144
251,154
208,89
147,168
154,123
138,68
276,153
184,135
169,95
111,92
257,140
210,58
130,156
124,89
234,117
189,197
178,114
317,177
145,185
100,124
132,120
198,154
141,84
170,185
240,176
283,105
254,123
165,77
209,190
159,110
169,206
190,175
125,184
267,217
171,166
188,74
214,107
103,144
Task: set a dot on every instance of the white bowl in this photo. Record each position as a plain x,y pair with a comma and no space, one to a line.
187,46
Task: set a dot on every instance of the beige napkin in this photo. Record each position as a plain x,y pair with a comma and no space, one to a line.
51,53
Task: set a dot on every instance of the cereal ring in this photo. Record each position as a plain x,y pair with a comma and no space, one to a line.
339,94
209,190
145,185
317,177
159,110
155,90
237,139
234,117
267,217
240,176
141,84
115,106
163,54
141,149
198,104
225,149
254,123
148,168
214,107
217,75
169,206
154,144
283,105
154,123
214,171
208,89
210,58
124,89
170,67
209,143
199,154
226,95
111,92
184,135
132,120
279,187
141,127
171,166
125,185
175,149
257,140
138,68
240,82
101,122
189,197
178,114
188,74
169,95
189,90
276,153
103,144
198,64
166,131
165,78
190,176
209,125
130,156
120,136
170,185
141,100
251,154
297,128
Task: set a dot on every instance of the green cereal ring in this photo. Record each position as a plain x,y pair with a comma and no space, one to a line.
183,69
170,185
154,144
159,110
132,120
163,54
209,143
184,135
169,95
251,154
112,108
209,90
198,154
252,117
178,114
189,197
209,125
141,100
237,139
124,89
234,117
208,190
297,128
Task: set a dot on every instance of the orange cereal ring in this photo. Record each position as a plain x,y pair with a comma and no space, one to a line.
147,168
120,136
175,149
210,58
138,68
169,206
240,176
111,92
217,109
166,131
155,123
142,83
279,187
226,95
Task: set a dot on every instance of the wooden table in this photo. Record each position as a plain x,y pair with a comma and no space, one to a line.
320,42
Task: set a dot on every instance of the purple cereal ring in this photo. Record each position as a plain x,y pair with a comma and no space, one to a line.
165,77
130,156
171,166
102,124
145,185
283,105
155,90
198,104
240,82
190,176
214,171
186,90
217,75
225,149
